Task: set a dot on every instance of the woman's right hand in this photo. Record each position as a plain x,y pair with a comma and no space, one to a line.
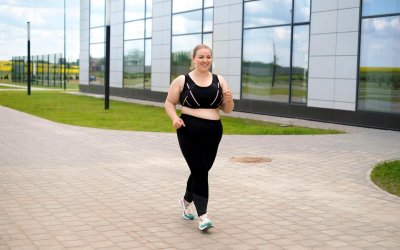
178,123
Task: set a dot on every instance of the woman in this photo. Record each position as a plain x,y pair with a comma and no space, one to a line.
199,129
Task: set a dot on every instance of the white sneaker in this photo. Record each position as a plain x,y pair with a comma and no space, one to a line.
187,213
205,223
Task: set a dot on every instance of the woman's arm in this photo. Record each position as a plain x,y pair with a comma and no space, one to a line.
228,104
172,99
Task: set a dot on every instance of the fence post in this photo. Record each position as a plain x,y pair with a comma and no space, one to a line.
29,59
107,61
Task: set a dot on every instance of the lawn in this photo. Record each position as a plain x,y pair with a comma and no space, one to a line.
89,111
386,175
6,87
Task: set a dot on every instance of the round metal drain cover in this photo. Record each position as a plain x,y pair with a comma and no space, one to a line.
250,159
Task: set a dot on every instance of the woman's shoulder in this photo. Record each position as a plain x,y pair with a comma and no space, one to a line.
180,80
220,78
178,83
222,81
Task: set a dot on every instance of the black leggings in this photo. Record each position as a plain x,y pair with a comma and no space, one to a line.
199,141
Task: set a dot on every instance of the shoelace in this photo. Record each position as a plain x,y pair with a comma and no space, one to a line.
204,218
187,207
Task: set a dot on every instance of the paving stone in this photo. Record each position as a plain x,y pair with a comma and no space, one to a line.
72,187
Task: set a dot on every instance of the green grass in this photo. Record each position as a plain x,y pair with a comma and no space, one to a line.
70,85
6,87
386,175
89,112
254,127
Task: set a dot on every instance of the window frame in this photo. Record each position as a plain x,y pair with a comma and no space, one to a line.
96,43
146,38
202,33
359,66
292,24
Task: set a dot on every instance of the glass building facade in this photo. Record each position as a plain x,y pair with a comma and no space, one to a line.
137,43
192,23
275,50
379,75
97,41
295,58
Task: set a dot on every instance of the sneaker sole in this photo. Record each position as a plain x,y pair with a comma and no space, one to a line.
206,227
187,218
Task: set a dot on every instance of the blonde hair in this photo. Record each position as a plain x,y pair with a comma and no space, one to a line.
199,46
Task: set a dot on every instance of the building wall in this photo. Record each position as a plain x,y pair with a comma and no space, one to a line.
117,43
227,44
333,54
161,45
333,60
84,43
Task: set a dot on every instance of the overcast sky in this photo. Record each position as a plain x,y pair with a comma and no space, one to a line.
46,19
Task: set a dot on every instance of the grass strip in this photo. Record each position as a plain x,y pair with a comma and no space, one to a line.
89,111
386,175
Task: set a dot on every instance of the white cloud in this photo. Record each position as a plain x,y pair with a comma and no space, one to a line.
186,5
395,24
281,34
46,19
305,11
380,24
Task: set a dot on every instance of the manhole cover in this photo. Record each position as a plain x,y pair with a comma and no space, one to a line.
250,159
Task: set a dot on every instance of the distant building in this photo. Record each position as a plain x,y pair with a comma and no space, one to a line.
334,61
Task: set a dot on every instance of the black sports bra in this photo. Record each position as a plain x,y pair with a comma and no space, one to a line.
196,97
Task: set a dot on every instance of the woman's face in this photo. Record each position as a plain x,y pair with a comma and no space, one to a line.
203,59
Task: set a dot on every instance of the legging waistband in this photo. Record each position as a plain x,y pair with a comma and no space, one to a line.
198,120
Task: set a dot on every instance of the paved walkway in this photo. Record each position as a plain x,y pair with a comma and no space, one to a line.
68,187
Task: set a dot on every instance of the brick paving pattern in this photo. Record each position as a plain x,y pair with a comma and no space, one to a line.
69,187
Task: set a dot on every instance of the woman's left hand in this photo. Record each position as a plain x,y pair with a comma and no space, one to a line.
228,96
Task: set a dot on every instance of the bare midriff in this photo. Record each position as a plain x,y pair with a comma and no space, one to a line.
209,114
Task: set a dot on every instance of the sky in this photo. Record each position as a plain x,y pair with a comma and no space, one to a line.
380,45
46,19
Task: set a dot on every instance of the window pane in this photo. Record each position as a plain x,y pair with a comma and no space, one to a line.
379,7
187,23
207,39
180,5
96,62
208,3
149,26
97,35
379,83
266,64
208,20
147,68
134,64
301,11
134,9
149,8
267,12
97,13
182,47
300,64
134,30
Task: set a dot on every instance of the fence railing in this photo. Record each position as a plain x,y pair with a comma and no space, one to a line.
46,70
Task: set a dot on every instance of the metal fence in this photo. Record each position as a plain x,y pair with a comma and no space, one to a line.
46,70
